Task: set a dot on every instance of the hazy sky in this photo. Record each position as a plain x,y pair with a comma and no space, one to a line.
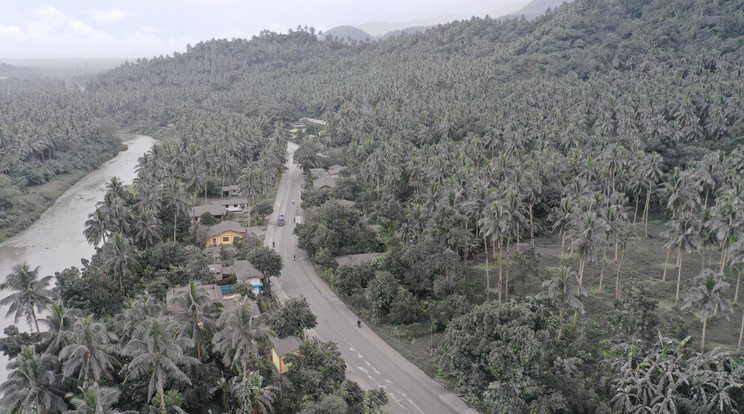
146,28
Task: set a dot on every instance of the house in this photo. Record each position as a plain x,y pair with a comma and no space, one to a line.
244,270
217,211
324,183
227,232
318,122
232,205
229,191
217,295
335,170
356,259
281,348
257,285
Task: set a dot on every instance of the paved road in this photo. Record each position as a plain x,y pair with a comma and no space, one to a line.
369,360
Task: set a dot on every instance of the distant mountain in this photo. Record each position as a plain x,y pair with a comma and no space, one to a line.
380,29
536,8
394,33
55,68
344,32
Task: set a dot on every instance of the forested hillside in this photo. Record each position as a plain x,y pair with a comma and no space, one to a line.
514,174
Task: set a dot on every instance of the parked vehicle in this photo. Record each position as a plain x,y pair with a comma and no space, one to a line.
280,221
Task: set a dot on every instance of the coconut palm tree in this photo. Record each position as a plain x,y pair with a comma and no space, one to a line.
30,294
252,395
496,224
136,311
94,401
238,335
32,385
89,351
685,235
587,234
706,295
564,288
174,196
148,230
96,227
158,353
58,323
120,256
195,314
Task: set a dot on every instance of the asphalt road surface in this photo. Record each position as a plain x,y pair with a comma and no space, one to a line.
369,360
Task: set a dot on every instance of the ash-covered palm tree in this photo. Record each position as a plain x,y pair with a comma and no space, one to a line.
120,257
685,235
565,289
30,294
588,236
238,336
196,315
148,230
96,227
174,196
706,295
158,353
58,324
89,351
94,401
32,385
496,224
136,311
252,395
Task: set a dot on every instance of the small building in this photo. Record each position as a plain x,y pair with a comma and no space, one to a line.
356,259
217,211
232,205
281,348
324,183
229,191
227,232
244,270
257,285
335,170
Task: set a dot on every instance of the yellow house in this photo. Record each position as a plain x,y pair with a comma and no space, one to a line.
281,348
226,232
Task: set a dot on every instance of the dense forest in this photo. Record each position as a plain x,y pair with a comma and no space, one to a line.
559,203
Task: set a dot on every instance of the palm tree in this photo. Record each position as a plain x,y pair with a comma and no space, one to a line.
89,351
137,311
706,294
561,216
95,401
32,385
157,353
148,230
653,174
196,315
58,323
496,223
726,222
684,234
96,227
565,288
588,236
175,195
252,395
120,256
30,293
238,336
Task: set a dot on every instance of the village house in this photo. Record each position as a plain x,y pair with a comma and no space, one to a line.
227,232
217,211
229,191
232,205
324,183
282,348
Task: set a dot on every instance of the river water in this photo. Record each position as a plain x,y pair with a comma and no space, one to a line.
55,241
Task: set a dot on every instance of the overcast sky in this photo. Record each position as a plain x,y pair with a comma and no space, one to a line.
146,28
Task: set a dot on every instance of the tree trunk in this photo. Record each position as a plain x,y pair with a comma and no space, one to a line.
560,319
501,269
33,313
679,271
162,402
175,220
645,210
532,227
563,241
506,281
582,261
619,267
723,259
741,331
488,277
702,340
666,262
635,214
736,292
601,272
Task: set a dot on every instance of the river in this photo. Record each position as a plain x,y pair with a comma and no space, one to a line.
55,241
